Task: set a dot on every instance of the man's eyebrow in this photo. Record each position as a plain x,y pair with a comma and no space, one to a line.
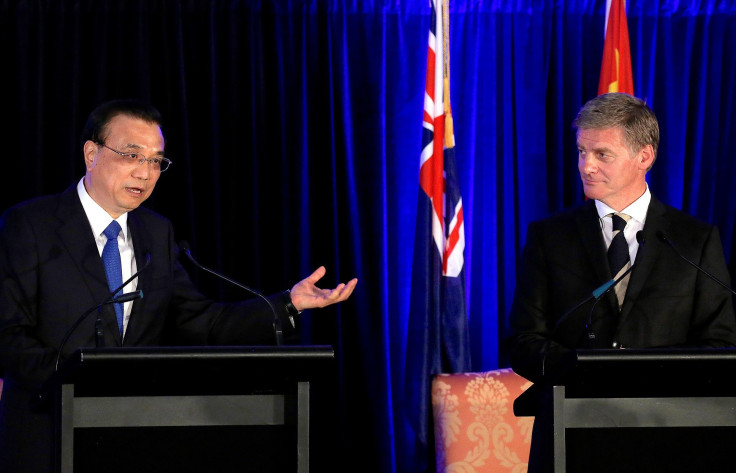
135,146
600,149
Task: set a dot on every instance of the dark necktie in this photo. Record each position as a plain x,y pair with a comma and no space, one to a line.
113,268
618,254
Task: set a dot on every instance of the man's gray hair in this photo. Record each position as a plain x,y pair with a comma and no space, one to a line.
632,115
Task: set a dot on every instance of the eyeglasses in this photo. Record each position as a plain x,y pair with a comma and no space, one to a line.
158,163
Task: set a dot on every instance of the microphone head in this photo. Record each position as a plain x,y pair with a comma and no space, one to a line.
148,261
184,247
640,237
129,296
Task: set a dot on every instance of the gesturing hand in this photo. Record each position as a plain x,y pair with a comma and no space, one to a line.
306,295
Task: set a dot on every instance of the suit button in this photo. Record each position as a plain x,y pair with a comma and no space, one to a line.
615,345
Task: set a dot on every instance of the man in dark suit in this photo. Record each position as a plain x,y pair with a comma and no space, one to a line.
664,302
51,271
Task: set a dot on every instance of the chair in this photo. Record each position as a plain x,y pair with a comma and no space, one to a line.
475,427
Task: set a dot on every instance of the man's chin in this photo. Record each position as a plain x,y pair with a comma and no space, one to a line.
592,191
132,204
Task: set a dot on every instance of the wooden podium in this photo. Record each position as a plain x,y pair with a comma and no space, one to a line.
647,410
187,408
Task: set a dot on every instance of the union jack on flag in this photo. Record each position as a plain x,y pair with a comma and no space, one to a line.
438,340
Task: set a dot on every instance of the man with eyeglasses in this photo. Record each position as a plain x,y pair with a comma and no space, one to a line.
55,264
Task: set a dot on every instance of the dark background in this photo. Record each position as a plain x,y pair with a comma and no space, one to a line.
295,132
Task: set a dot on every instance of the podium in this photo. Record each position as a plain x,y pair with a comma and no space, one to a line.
646,410
187,408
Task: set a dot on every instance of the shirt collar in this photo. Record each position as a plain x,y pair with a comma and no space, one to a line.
98,218
637,210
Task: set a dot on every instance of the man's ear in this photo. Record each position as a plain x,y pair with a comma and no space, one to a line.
646,157
90,150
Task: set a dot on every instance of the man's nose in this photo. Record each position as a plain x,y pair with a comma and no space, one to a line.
142,171
587,164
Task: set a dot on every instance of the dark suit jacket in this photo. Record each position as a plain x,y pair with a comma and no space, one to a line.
668,303
51,273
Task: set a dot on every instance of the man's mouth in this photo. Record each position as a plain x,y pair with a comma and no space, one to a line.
135,190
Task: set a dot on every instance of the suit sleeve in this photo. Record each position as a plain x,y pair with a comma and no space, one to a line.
535,355
713,322
22,354
197,320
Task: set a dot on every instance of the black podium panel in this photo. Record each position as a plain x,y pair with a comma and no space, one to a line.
646,410
224,449
651,449
223,409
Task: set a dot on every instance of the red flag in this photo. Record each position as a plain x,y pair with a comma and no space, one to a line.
616,73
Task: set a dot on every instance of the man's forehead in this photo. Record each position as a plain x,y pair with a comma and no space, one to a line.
128,128
125,119
612,135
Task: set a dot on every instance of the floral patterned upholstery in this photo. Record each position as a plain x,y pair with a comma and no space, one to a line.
475,427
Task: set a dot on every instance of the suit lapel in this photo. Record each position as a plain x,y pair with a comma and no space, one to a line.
75,233
141,245
647,255
594,245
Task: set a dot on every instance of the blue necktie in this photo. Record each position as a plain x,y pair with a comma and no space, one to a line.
113,268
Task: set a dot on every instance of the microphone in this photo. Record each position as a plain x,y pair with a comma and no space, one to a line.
608,287
127,297
664,239
111,299
99,326
277,330
599,292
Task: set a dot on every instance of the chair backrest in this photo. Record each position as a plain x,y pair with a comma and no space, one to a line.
475,426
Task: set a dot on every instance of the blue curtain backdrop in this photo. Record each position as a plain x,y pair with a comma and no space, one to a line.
295,131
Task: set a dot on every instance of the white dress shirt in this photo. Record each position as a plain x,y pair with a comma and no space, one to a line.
99,219
638,213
